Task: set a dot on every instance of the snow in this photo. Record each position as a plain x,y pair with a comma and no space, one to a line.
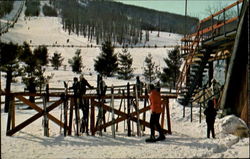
188,139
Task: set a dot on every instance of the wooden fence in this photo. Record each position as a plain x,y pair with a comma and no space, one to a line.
71,110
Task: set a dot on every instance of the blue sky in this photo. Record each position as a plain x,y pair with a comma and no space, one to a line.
196,8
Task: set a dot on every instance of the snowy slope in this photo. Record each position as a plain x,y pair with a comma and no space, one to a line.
188,139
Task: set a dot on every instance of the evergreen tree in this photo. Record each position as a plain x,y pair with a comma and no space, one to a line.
34,67
76,62
150,71
56,60
9,64
106,63
125,62
171,72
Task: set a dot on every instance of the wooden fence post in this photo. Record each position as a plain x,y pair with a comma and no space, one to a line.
65,110
168,116
128,105
163,114
113,116
137,112
71,115
92,117
10,115
45,120
145,105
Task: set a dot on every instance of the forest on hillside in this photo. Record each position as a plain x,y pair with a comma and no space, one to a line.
113,21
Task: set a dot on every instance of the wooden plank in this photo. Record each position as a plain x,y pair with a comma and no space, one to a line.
24,124
168,117
163,115
51,107
13,113
92,117
71,116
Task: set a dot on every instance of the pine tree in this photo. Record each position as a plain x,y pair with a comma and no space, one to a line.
76,62
150,71
171,72
9,54
125,62
34,67
106,63
56,60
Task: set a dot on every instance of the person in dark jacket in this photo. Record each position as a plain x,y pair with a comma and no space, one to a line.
75,87
84,103
210,113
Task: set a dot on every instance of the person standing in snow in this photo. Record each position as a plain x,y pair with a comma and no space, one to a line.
84,104
215,87
156,109
139,86
210,113
101,92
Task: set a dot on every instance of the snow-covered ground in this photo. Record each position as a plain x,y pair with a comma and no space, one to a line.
188,139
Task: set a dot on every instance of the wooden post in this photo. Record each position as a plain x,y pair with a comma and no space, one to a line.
168,116
224,18
12,104
124,108
163,114
65,108
145,105
212,21
210,72
128,105
113,115
10,113
45,119
92,117
200,113
191,105
119,110
137,112
183,110
76,115
71,116
47,92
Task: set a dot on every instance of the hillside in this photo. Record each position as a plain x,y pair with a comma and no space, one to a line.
109,20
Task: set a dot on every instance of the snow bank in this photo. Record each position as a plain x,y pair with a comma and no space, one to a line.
232,125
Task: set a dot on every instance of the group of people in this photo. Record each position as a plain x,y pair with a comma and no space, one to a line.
80,87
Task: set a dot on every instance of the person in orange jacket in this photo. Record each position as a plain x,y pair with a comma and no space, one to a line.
156,109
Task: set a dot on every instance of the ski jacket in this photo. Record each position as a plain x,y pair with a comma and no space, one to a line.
155,101
210,113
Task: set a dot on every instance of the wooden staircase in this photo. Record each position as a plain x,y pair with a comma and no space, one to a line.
202,47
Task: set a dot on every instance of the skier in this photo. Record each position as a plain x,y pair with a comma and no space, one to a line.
84,103
155,106
210,113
